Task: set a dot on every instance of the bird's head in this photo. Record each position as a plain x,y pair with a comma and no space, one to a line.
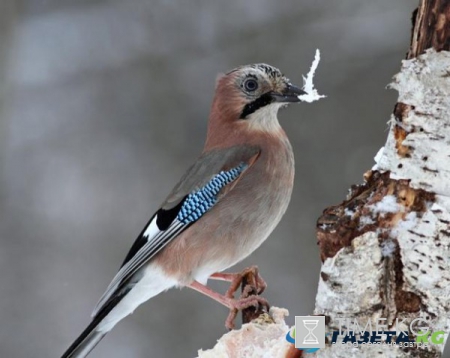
250,96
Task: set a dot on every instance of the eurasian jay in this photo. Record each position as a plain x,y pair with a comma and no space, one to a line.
222,209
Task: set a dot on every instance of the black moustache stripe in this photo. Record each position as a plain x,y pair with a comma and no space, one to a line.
258,103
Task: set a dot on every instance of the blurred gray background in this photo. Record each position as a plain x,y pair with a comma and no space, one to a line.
103,105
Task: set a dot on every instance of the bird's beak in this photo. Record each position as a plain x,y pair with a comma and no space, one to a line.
289,95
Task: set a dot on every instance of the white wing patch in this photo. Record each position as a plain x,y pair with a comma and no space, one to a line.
152,229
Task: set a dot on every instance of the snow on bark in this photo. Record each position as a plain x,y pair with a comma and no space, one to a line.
262,337
390,257
424,90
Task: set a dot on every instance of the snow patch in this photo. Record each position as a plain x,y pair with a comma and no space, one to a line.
377,158
348,212
365,220
388,248
387,205
408,223
308,85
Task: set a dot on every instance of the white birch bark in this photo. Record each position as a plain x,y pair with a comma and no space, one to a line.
399,266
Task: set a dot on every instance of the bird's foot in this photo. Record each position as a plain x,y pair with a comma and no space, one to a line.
251,277
252,286
249,297
236,305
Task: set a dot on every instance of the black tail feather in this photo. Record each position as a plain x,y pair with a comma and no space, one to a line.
90,337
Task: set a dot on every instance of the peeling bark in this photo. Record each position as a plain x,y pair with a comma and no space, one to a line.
430,27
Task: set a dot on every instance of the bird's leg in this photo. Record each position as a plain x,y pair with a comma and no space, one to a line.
233,304
223,276
237,278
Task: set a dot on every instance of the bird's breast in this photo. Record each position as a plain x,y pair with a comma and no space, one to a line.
240,221
249,213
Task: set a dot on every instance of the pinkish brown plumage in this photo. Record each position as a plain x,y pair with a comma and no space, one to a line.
223,208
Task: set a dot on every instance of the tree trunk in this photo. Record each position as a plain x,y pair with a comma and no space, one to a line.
385,250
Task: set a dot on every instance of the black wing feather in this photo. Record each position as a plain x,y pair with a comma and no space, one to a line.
163,219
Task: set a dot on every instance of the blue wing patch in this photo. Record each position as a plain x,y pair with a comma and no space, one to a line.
199,202
190,209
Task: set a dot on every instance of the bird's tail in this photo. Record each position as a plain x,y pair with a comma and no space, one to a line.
84,343
90,337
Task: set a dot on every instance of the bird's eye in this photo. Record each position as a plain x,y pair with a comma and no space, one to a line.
250,85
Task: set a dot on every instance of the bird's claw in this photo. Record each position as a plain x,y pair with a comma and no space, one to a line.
252,286
242,303
259,284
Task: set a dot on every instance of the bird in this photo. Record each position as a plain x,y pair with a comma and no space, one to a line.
223,208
